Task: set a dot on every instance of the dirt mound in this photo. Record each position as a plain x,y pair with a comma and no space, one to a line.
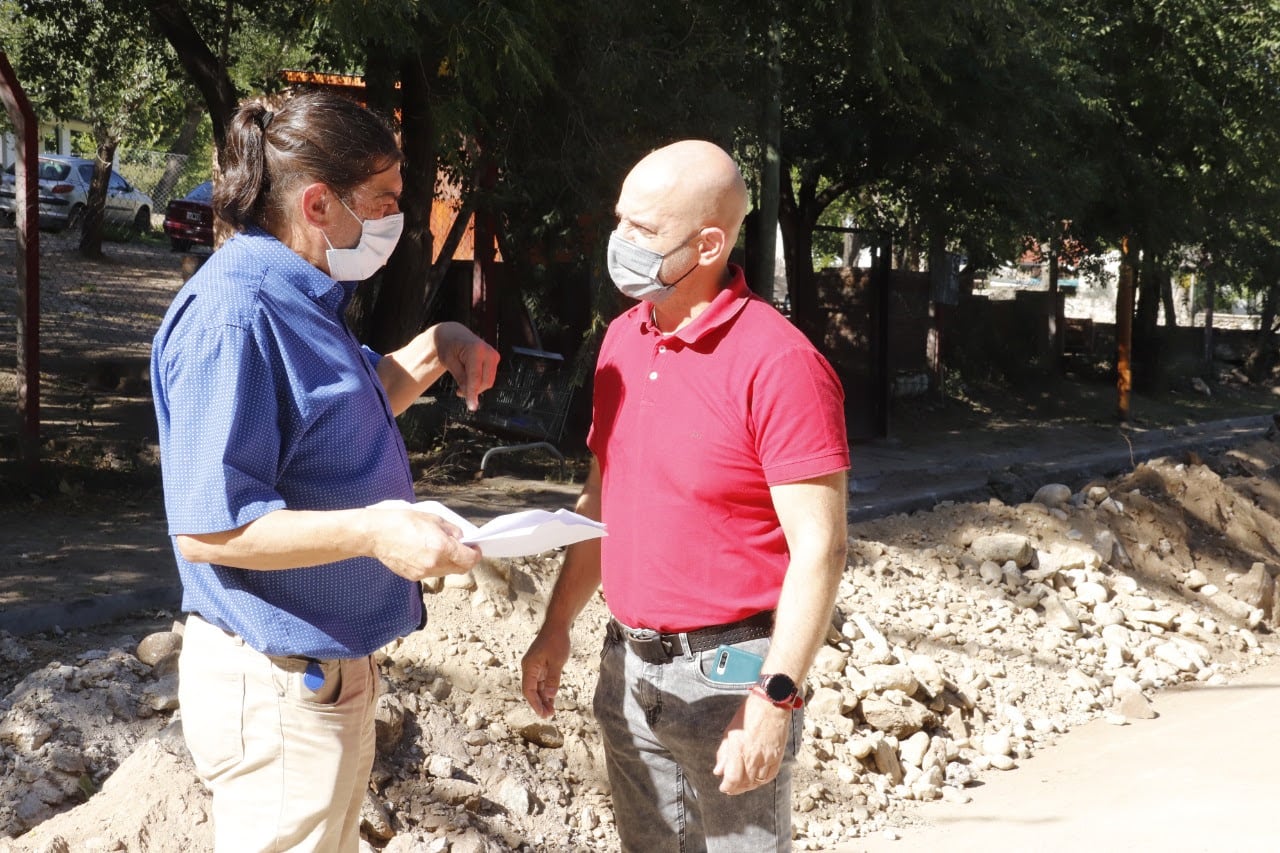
965,638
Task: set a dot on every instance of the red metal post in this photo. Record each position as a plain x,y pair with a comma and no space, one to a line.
484,277
27,221
1124,329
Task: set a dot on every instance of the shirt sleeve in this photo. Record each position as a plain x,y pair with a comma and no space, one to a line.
798,411
223,451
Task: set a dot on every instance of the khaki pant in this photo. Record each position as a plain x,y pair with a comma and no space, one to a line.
286,757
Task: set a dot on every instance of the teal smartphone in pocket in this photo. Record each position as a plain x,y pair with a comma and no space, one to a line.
734,666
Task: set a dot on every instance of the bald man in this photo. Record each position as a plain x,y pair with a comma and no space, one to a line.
719,463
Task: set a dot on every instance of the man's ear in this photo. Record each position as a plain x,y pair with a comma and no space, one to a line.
315,202
712,243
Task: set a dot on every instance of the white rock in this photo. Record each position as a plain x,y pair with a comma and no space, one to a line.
1130,700
860,747
466,581
1104,542
1000,548
913,749
1058,616
884,677
1079,681
1163,618
928,673
825,702
516,798
1011,575
1236,609
1124,585
997,744
830,660
1173,655
991,572
870,632
1052,494
1091,593
1107,614
1116,636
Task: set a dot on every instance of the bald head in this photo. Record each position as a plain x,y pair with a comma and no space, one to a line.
694,182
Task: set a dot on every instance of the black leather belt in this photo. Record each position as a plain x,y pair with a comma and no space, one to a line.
655,647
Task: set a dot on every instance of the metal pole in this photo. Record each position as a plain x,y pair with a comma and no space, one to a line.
27,222
880,271
1124,330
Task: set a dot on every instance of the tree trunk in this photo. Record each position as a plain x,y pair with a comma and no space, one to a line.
91,226
382,72
854,243
911,248
1124,328
1055,318
173,166
1147,339
939,273
1259,361
205,69
797,252
1166,298
1210,296
761,277
398,309
1148,313
444,259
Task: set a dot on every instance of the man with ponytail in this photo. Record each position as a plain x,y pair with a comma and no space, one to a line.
278,437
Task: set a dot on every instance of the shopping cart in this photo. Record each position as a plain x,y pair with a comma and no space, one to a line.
528,404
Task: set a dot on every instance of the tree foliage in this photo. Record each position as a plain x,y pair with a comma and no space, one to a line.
966,127
71,55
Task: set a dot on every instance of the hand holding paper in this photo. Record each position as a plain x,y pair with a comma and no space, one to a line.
516,534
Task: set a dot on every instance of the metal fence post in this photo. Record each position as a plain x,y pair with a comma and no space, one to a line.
26,220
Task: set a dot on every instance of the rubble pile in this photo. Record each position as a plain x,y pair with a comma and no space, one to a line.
965,639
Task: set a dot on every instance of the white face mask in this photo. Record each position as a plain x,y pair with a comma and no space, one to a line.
635,269
378,238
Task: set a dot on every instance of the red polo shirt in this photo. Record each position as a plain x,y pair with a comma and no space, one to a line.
691,429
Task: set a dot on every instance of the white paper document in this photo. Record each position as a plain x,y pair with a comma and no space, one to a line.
516,534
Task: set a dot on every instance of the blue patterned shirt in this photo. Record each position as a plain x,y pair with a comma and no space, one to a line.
266,401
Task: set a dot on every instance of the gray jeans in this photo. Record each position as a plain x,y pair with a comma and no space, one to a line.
662,725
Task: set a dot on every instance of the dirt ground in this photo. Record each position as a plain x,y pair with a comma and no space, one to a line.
988,629
469,769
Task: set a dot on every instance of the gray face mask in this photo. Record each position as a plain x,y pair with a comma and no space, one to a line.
634,269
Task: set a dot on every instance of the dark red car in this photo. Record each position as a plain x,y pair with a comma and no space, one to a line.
188,221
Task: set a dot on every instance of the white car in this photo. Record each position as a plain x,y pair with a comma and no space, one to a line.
64,192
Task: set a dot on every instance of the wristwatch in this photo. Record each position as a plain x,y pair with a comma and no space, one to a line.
779,689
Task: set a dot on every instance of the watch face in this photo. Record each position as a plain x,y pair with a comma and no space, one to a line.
780,687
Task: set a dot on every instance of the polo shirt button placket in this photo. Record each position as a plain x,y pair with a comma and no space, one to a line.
653,374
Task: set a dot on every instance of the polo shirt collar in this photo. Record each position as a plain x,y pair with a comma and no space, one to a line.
298,271
722,310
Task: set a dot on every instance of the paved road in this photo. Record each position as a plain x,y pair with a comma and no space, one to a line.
1199,777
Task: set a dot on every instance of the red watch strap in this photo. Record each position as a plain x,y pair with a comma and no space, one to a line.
792,704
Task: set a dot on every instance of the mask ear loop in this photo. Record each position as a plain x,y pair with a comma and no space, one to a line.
327,241
658,276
